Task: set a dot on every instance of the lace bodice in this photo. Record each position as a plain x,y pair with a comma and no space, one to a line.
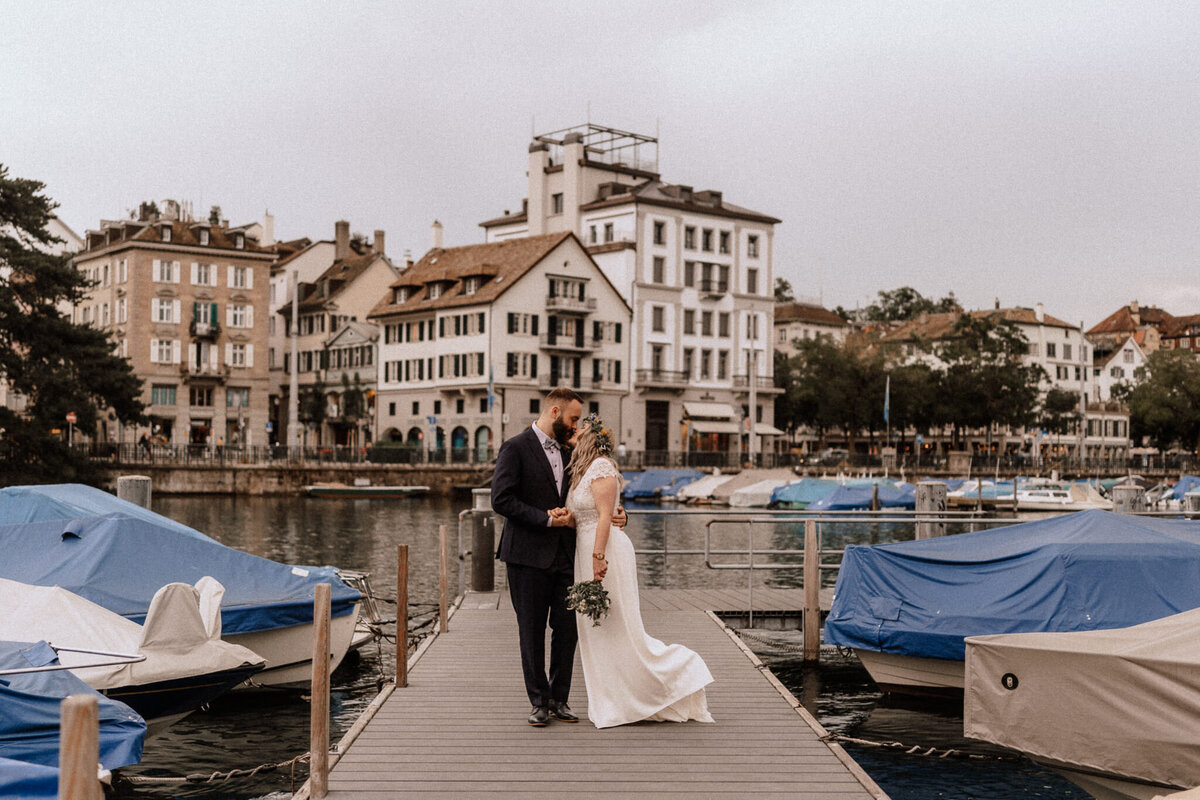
581,502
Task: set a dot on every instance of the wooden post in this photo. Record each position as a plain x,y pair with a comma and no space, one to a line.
135,489
402,616
931,501
443,577
812,592
318,748
79,748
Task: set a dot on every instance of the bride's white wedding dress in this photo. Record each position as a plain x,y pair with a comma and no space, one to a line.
629,676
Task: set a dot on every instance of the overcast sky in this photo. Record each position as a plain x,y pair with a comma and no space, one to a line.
1025,151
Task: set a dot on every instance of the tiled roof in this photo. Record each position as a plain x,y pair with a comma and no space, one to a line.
339,275
656,192
932,327
503,262
1121,320
182,233
1182,326
806,312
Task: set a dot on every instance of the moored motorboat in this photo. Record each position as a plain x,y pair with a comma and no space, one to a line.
185,664
1116,711
906,606
121,558
342,490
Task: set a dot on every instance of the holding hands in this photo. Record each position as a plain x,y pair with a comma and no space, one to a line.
561,518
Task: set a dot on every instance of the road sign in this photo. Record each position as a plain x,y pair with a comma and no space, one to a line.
71,417
270,426
433,420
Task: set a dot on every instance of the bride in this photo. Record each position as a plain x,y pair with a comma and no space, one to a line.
629,675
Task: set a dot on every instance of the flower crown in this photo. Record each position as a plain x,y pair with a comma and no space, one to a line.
603,437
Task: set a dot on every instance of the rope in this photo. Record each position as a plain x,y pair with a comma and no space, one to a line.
217,777
918,750
773,643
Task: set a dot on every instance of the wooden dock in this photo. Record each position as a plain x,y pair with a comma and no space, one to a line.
458,729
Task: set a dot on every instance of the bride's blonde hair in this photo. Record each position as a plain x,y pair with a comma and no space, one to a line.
593,442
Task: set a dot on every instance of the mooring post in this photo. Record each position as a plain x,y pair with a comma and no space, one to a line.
812,592
135,489
931,501
483,547
318,741
402,616
1128,499
443,577
79,748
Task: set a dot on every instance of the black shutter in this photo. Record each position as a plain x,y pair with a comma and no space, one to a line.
512,322
618,333
512,364
533,364
535,324
616,371
597,330
481,324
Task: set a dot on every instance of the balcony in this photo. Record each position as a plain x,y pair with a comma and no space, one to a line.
549,381
204,330
661,379
762,383
203,372
572,305
570,344
712,287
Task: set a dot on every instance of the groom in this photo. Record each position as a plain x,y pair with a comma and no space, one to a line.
529,489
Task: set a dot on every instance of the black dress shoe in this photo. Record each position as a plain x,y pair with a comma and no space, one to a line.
539,717
562,711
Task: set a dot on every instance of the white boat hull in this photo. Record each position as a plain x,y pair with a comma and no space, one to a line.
912,674
288,651
1111,787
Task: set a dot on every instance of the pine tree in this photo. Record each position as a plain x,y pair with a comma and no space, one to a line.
57,366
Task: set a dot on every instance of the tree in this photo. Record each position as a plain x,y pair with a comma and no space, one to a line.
57,366
783,291
907,303
836,386
214,215
1164,404
1060,411
147,210
314,407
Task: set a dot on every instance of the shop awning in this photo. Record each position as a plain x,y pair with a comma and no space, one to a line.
709,410
711,426
763,429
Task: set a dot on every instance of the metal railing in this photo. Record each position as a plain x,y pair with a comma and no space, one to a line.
217,455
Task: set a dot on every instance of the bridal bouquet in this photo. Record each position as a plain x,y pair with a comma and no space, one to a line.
589,598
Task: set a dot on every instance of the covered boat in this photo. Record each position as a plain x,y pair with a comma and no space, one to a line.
802,493
31,695
747,477
906,607
121,558
1116,711
186,664
656,483
701,490
858,497
756,495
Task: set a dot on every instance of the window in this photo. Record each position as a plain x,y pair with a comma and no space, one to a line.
751,326
592,234
1066,352
689,238
608,232
123,271
237,397
722,364
239,241
1127,356
162,395
166,271
459,405
437,407
723,247
689,273
660,233
689,321
1051,349
162,351
471,285
164,310
435,291
706,240
240,316
751,281
483,405
688,357
200,395
416,408
660,270
535,405
706,323
752,246
123,312
204,236
705,361
166,233
239,278
556,203
723,324
236,355
658,319
204,274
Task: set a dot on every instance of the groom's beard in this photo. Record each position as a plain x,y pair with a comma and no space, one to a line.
562,432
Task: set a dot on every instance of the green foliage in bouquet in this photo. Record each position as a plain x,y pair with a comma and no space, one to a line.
590,599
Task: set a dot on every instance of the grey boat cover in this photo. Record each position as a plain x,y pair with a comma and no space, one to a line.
1123,702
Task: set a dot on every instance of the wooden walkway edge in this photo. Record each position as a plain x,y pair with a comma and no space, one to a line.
458,730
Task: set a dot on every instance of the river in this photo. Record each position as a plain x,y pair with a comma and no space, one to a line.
243,732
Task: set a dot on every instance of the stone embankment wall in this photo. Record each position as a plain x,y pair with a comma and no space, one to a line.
291,479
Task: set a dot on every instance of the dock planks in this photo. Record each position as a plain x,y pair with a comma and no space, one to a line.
458,730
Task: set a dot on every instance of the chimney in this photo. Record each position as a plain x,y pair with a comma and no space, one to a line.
341,240
377,245
997,303
408,262
268,226
1039,312
1135,311
435,239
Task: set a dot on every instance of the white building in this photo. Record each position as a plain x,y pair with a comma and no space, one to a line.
796,322
696,270
474,337
1116,367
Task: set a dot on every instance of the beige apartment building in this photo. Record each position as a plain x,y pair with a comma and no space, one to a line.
184,300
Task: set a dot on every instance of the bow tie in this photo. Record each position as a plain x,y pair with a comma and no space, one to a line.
550,444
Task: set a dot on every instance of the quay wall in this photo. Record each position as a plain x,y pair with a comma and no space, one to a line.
290,479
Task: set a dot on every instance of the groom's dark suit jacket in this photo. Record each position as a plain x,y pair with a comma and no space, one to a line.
523,490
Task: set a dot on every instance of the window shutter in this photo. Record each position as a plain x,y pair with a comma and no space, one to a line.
616,371
195,273
174,351
174,272
155,267
229,276
480,363
535,324
228,353
212,358
511,360
197,314
596,370
512,324
533,364
482,324
250,277
228,315
212,314
176,314
154,351
249,355
249,316
617,332
192,358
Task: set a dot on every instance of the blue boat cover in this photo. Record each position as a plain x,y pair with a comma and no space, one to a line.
20,780
1088,570
847,498
73,500
119,561
803,492
660,482
30,711
1188,483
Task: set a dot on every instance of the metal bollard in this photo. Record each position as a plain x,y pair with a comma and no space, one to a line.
483,542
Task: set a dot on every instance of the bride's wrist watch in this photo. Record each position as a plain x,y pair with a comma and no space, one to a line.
598,556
